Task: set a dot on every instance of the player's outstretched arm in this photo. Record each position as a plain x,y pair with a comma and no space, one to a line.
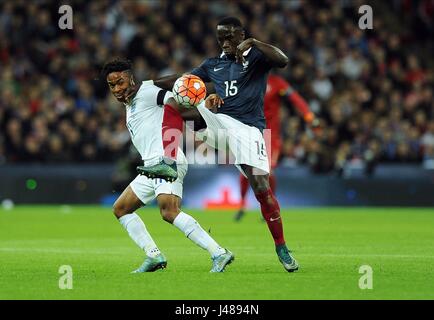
303,108
167,82
300,105
298,102
275,56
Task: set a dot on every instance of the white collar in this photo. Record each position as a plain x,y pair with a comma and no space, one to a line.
147,82
245,53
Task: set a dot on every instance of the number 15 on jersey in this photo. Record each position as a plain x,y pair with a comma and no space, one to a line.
230,88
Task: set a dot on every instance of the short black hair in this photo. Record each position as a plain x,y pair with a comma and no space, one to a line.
116,65
230,21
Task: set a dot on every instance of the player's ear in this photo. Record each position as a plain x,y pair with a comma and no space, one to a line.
132,82
243,34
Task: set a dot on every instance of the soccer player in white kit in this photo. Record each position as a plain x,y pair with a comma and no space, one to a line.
147,108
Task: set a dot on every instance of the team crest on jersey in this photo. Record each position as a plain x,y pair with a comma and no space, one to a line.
245,65
133,107
131,110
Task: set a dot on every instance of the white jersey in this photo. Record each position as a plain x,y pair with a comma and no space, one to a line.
145,121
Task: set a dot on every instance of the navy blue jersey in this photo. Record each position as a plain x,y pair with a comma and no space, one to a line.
242,86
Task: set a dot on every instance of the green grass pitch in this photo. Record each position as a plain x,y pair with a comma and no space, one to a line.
329,243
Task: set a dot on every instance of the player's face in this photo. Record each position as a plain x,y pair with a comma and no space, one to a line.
229,37
119,84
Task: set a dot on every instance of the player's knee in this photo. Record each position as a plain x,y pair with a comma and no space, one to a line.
120,209
259,183
169,215
169,210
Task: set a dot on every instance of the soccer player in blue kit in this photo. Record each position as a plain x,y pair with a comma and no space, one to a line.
239,76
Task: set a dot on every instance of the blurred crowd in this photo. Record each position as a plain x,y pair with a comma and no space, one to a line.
372,89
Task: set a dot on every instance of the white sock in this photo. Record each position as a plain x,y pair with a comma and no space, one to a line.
140,235
195,233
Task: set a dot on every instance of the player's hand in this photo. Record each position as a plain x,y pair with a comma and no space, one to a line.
316,126
309,117
243,46
313,123
213,101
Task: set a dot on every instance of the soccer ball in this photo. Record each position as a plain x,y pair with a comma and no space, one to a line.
189,90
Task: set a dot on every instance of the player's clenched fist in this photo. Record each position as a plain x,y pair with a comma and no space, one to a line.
213,102
243,46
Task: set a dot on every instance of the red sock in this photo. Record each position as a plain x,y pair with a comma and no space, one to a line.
244,187
271,212
173,125
272,181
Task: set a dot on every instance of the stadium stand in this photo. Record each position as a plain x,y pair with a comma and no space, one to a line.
372,89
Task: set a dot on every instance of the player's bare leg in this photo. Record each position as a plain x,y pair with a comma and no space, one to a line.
272,182
271,212
170,211
124,209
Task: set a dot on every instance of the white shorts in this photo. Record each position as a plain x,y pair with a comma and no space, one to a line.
246,143
148,189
